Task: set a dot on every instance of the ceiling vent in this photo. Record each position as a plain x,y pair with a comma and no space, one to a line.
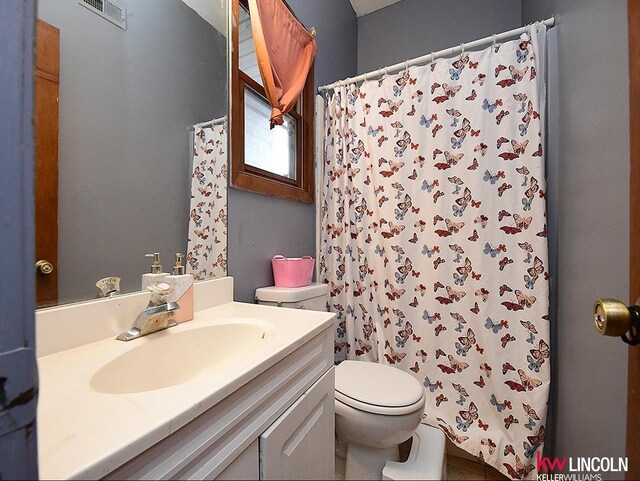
108,10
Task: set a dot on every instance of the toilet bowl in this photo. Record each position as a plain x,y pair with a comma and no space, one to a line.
377,408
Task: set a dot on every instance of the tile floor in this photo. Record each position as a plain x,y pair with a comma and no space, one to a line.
465,469
457,469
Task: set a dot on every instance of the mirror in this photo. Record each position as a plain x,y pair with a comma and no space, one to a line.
141,153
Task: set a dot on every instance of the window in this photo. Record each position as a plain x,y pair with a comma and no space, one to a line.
276,161
270,150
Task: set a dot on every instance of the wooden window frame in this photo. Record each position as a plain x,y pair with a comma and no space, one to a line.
247,177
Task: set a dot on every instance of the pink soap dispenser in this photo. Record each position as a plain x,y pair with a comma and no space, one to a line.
182,290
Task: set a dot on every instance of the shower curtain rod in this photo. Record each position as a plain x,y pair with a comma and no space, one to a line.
550,22
209,123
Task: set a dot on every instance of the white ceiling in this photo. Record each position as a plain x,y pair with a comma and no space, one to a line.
214,12
363,7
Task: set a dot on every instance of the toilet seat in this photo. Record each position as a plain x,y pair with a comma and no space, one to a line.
377,388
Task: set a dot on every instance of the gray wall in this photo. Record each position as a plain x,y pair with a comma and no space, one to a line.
261,226
126,100
412,28
593,217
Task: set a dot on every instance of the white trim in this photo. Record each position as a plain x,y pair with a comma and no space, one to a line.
319,170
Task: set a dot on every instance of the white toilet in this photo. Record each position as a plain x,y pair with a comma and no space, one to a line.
378,407
313,297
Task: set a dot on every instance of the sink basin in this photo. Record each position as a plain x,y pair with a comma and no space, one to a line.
174,356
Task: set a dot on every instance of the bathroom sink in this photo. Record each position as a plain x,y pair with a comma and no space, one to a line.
175,356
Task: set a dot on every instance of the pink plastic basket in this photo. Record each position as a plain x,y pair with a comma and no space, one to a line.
292,272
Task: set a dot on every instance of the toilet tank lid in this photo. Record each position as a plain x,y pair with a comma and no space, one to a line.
291,294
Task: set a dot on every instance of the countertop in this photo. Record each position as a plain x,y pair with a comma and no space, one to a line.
83,433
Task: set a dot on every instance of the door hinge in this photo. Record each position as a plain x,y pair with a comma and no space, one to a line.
18,389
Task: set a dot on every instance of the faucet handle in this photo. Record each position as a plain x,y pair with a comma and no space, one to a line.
109,286
159,293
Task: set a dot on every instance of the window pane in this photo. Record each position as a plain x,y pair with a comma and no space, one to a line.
247,51
271,150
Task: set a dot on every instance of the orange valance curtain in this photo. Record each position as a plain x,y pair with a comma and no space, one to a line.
285,52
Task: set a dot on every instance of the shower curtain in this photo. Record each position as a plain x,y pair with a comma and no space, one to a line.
434,241
207,235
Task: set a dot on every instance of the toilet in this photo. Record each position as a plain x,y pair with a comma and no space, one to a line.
377,408
313,297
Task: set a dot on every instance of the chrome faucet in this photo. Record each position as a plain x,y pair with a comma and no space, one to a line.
158,314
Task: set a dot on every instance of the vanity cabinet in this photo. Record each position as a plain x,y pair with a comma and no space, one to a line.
300,444
279,425
244,467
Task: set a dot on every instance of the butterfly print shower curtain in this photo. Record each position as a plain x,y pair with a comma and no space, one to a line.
434,242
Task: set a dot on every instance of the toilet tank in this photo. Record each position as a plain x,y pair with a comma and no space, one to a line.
312,297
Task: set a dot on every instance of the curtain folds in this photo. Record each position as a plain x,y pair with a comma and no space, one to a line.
285,52
434,241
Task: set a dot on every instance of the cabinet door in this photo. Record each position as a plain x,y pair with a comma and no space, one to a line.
244,466
300,443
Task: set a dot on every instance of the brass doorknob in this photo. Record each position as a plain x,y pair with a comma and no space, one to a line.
613,318
44,267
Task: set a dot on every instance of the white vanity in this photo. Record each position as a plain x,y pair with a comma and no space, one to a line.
241,392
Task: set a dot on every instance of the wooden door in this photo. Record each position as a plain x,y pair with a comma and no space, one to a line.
633,386
47,79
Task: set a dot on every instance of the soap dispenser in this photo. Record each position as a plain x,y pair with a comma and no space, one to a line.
182,285
156,275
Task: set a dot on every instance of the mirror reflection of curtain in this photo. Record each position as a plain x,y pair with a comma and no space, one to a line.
207,233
